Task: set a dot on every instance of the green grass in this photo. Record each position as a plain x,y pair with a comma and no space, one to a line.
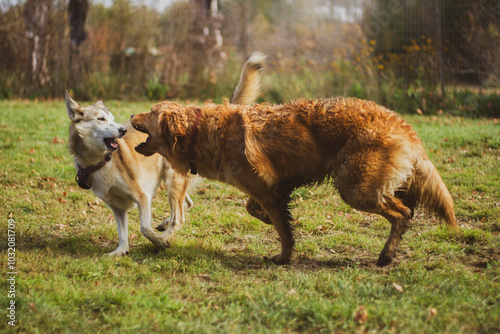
214,278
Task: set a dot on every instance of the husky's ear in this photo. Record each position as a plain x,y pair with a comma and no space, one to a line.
99,103
73,108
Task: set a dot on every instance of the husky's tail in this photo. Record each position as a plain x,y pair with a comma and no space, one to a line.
427,189
248,88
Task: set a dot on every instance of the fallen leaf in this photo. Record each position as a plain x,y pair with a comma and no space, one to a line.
204,276
57,141
361,315
397,287
93,205
432,312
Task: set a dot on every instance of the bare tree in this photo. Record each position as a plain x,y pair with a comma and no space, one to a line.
36,15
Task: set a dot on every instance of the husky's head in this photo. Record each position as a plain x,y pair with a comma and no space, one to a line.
95,125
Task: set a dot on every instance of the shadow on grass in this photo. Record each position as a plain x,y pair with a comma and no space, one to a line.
89,246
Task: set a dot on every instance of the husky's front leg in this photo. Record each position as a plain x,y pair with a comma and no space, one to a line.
144,204
122,224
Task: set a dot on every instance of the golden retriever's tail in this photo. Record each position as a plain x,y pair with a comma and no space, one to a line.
248,88
427,189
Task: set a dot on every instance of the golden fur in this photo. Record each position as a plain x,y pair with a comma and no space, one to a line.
375,159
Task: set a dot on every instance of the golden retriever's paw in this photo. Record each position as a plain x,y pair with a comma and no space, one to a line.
278,259
384,260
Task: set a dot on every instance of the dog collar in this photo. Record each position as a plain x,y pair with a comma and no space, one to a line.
192,166
82,177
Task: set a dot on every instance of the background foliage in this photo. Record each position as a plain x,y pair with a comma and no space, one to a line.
429,56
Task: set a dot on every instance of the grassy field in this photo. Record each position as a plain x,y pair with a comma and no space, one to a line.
214,278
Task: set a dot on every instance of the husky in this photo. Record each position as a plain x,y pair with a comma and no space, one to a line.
107,163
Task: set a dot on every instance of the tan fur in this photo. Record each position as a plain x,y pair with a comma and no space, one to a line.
375,159
130,179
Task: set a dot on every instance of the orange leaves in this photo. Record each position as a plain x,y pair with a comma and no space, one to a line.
361,315
57,141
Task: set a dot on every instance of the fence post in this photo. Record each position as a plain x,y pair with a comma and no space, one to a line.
440,46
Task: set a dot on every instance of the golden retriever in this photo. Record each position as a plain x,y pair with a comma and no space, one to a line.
375,159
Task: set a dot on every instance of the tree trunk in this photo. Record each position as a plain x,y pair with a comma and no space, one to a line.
36,14
77,13
206,38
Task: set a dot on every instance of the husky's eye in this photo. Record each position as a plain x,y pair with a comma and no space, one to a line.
102,119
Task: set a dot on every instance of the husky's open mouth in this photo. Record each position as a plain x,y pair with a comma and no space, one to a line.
111,143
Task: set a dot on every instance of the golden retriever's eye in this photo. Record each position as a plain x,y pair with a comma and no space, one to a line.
102,119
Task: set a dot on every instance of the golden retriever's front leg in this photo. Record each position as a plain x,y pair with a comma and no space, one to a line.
280,217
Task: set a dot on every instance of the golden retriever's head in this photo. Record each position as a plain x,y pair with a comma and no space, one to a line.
166,126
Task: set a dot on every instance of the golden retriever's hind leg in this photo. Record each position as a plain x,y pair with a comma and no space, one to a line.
399,217
391,208
256,210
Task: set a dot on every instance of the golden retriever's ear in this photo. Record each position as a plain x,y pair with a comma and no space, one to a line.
173,125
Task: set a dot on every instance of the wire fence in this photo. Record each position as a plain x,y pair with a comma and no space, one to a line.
125,49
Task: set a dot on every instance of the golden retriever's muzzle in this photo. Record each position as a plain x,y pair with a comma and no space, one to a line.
138,122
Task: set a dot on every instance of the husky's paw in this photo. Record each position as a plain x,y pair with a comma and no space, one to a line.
118,252
163,226
162,243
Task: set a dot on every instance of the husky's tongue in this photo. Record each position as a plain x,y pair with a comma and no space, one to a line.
111,143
